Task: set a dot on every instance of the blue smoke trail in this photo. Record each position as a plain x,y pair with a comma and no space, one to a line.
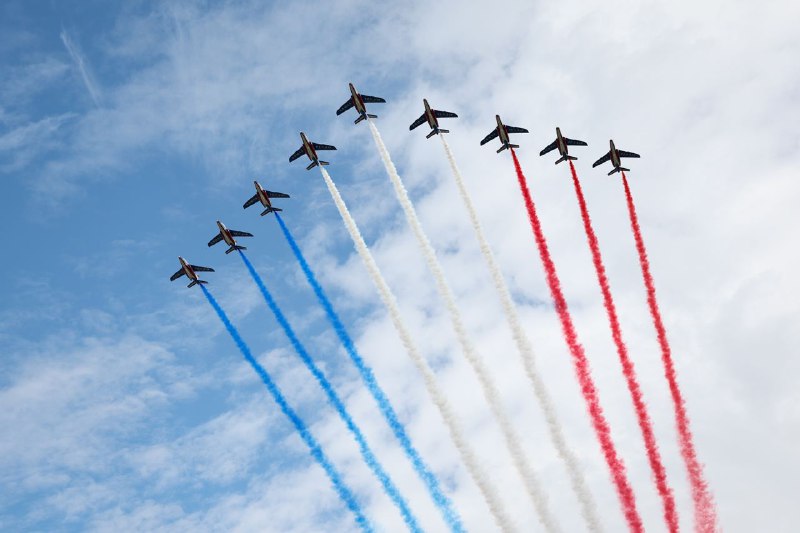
316,451
333,398
430,480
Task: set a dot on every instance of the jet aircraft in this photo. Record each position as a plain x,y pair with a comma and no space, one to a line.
190,271
430,116
502,130
614,156
359,101
562,143
310,149
228,236
262,195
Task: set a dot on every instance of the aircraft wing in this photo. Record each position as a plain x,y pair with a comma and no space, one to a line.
444,114
372,99
550,147
345,106
573,142
489,137
177,274
417,123
514,129
300,151
215,240
201,269
623,153
323,146
602,160
272,194
251,201
240,233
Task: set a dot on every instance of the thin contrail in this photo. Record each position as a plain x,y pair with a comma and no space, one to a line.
705,513
77,58
489,492
488,386
369,458
316,450
588,505
428,477
628,368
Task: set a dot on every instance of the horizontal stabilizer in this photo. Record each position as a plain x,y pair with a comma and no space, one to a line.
270,210
237,247
619,169
359,119
312,165
197,282
567,158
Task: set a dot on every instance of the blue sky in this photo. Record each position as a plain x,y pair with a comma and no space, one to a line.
126,130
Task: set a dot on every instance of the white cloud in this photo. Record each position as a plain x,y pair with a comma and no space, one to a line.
706,93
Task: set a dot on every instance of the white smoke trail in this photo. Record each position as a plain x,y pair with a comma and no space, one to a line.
588,505
487,384
488,491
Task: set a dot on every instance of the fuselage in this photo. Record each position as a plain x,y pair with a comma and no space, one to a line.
562,145
226,234
501,131
614,156
357,101
310,152
433,122
187,269
262,195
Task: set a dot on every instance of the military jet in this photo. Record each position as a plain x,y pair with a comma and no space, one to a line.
430,116
359,101
502,130
190,271
262,195
562,144
310,149
228,236
614,156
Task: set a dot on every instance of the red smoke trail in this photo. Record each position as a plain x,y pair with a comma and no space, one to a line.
653,455
705,515
624,491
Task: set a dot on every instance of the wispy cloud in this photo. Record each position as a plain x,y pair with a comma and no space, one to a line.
80,62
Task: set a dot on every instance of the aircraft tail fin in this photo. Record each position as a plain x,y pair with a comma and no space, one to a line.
567,158
619,169
270,210
236,247
197,282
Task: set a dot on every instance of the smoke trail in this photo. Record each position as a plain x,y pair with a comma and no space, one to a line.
466,452
628,369
487,384
316,451
333,398
588,506
705,514
582,370
432,484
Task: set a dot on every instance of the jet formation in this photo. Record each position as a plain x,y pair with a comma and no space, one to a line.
430,116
